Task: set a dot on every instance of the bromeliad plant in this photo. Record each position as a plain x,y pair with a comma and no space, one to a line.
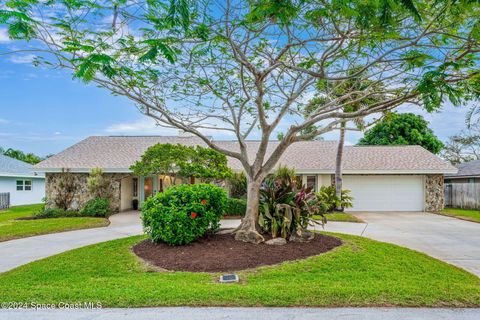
287,210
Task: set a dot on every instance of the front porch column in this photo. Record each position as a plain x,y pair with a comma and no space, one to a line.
142,189
304,179
155,190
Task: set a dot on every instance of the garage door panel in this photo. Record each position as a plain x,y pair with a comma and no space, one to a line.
385,193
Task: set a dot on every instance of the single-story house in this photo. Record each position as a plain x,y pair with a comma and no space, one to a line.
22,184
468,172
381,178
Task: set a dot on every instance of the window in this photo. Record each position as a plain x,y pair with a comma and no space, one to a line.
24,185
312,182
471,180
135,187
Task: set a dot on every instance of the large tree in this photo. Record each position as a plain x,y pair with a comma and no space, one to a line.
246,68
402,129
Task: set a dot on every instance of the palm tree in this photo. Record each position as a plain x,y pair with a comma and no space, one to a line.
360,99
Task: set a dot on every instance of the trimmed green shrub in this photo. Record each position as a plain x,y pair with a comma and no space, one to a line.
237,185
183,213
235,207
97,207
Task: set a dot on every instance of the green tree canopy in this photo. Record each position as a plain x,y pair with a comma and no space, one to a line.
178,160
20,155
402,129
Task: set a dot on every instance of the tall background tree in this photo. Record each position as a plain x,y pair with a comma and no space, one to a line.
402,129
245,67
462,147
327,92
20,155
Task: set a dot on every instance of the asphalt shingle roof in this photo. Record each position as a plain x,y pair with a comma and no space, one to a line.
120,152
467,169
11,167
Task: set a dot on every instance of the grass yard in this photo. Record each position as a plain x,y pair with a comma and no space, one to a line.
464,214
341,216
14,229
361,272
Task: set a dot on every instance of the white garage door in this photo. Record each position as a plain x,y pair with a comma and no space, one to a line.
385,192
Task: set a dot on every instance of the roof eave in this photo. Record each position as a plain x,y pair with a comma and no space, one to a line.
82,170
299,171
20,175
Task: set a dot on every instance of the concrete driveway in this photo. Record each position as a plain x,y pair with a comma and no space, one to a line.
451,240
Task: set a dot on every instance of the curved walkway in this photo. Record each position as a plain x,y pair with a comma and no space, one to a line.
17,252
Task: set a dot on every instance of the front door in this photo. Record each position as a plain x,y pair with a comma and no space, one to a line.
148,188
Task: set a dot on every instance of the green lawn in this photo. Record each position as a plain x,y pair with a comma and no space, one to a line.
13,229
342,217
361,272
464,214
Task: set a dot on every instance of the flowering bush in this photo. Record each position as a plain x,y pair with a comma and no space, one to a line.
183,213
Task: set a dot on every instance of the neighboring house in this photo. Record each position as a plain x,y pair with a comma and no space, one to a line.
18,179
462,189
382,178
468,172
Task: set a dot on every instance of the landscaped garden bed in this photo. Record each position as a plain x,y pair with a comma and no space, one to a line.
221,253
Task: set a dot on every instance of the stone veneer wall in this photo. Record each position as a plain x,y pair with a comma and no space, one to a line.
434,192
82,195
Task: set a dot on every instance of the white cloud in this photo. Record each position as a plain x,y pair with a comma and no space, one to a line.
4,121
27,58
148,126
142,126
57,133
4,36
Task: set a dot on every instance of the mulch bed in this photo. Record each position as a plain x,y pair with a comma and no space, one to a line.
222,253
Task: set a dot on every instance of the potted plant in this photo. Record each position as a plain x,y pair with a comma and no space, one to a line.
135,204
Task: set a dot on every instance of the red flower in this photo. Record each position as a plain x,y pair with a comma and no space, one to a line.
193,215
204,202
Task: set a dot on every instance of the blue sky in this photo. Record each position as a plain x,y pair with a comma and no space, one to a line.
45,111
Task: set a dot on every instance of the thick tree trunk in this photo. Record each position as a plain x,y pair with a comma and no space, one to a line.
338,166
248,229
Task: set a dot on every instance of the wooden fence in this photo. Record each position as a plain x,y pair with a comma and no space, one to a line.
462,195
4,200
